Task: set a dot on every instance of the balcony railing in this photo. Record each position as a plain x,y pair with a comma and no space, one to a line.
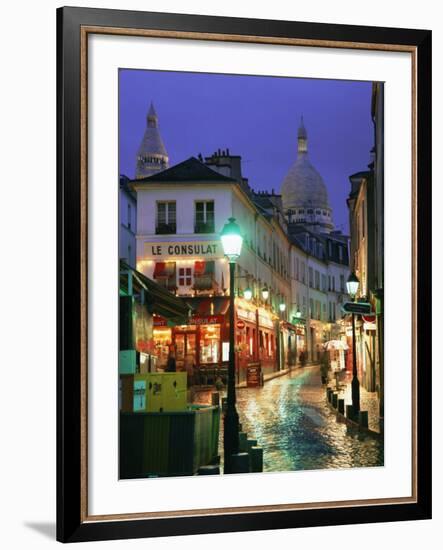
205,282
166,228
207,227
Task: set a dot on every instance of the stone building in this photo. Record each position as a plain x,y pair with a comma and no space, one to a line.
319,253
290,277
365,203
181,212
304,193
151,156
127,222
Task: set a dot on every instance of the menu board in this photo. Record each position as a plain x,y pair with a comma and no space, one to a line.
253,375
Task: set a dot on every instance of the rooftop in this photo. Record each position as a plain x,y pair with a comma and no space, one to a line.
190,170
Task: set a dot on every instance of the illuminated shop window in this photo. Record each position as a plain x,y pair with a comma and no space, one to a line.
209,344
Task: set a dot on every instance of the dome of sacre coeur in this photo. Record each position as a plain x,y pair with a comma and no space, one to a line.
303,186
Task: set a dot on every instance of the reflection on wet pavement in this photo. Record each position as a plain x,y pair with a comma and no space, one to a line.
291,420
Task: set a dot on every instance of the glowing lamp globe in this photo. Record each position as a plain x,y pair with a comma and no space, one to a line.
282,307
231,240
352,284
265,293
247,294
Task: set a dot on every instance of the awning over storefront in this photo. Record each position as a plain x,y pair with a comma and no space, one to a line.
164,270
157,299
290,326
204,275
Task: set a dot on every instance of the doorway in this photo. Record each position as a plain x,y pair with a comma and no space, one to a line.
185,344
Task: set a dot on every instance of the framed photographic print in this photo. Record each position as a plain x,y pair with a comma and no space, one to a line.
244,274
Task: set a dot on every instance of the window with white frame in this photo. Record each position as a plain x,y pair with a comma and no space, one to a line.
166,217
311,277
184,276
204,217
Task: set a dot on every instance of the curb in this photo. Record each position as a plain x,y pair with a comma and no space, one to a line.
268,377
342,418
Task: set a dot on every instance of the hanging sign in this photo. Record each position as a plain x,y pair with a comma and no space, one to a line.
360,308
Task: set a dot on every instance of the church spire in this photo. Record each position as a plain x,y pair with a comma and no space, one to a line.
152,118
152,156
302,137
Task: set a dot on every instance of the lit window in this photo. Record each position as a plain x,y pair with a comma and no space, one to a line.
185,276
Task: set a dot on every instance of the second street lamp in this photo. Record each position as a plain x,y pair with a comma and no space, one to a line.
352,288
232,243
247,293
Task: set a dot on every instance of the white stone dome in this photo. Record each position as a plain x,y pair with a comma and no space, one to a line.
303,187
304,193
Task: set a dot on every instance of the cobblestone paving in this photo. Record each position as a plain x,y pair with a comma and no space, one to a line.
292,422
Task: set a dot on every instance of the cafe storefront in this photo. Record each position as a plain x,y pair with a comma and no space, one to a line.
201,344
204,341
256,341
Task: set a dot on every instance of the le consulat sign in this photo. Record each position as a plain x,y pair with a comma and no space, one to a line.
203,249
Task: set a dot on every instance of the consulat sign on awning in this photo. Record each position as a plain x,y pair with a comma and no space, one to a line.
203,249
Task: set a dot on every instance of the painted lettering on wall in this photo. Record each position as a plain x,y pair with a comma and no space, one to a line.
169,250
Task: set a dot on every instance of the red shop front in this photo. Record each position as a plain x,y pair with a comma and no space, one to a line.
255,339
200,346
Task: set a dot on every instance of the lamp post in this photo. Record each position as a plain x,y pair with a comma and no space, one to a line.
297,318
232,242
352,288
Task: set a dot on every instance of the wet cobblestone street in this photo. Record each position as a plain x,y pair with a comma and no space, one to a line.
291,420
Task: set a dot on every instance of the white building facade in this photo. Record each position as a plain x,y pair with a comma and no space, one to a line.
180,214
127,223
290,277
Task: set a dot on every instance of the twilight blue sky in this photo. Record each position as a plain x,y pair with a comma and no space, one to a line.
256,117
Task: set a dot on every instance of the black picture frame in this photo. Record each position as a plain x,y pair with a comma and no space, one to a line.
72,526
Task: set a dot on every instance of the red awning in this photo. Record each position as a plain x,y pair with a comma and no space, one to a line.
369,318
164,270
204,275
159,270
199,268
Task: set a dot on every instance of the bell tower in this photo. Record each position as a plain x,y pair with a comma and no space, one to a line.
151,156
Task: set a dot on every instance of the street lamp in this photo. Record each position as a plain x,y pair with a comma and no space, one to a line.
352,288
297,321
352,285
265,293
232,242
282,307
247,294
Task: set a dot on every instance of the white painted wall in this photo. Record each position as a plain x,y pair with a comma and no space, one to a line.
128,228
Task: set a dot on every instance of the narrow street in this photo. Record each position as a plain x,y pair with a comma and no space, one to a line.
291,420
